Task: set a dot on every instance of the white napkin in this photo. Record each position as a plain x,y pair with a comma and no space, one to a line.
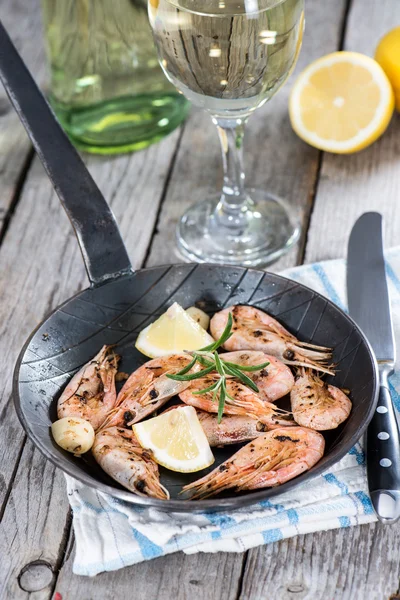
111,534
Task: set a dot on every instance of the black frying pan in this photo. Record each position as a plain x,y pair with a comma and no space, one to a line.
120,302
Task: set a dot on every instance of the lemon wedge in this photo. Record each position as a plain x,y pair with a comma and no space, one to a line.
341,103
174,332
388,56
176,439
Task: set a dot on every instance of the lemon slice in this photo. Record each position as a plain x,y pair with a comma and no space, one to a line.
174,332
388,56
341,103
176,439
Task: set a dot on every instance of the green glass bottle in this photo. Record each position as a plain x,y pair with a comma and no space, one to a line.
107,88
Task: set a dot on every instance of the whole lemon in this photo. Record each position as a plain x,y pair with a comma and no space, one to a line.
388,56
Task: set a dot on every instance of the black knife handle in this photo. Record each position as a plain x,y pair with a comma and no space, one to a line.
383,456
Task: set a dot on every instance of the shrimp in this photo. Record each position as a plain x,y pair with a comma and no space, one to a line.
243,401
253,329
273,382
233,429
148,388
91,393
267,461
119,454
316,404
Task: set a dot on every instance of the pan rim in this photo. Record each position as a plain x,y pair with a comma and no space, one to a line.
216,504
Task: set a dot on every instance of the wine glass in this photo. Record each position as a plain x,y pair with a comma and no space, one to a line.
229,57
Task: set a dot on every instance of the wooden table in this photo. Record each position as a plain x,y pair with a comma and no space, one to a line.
40,266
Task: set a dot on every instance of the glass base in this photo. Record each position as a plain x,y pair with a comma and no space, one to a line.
267,232
122,124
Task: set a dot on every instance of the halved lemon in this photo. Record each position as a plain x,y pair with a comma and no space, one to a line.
388,56
174,332
176,439
341,103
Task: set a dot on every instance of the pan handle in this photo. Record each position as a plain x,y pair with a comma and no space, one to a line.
100,241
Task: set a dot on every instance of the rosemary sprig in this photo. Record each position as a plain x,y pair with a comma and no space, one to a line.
209,358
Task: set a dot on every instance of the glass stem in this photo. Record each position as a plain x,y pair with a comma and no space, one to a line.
234,202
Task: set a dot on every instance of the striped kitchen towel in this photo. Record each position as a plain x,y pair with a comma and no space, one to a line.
111,534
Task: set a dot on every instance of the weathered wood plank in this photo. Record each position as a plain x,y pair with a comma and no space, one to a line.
14,144
359,563
275,158
369,180
202,576
35,520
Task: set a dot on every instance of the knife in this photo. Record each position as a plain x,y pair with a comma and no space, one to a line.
369,306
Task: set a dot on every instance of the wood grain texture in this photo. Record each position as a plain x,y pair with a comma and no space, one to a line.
14,144
177,577
33,525
275,158
368,180
359,563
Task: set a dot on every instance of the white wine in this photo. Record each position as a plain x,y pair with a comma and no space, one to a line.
227,56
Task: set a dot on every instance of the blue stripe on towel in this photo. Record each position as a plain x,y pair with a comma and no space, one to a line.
272,535
147,547
330,290
344,521
293,516
359,454
269,504
393,392
330,478
392,276
365,501
220,520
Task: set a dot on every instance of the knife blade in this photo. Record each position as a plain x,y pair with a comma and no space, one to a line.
369,305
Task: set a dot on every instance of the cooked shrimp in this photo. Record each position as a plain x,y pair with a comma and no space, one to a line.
253,329
120,456
267,461
91,392
148,388
243,401
316,404
273,382
233,429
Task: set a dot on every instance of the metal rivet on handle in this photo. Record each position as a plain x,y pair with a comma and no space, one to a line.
385,462
381,409
383,435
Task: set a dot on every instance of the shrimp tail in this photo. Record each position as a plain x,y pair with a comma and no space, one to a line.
311,354
296,356
311,365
